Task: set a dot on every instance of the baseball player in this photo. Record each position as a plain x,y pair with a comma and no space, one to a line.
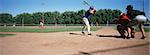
124,25
41,23
132,15
86,16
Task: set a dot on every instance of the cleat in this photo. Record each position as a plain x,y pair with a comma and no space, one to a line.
90,34
143,37
83,33
132,36
123,36
128,37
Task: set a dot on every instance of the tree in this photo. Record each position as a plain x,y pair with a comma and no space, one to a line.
79,16
37,17
52,17
56,16
116,14
6,18
24,18
68,17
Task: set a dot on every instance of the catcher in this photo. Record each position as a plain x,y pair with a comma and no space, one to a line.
124,25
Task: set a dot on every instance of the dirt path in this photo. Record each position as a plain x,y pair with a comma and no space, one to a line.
63,43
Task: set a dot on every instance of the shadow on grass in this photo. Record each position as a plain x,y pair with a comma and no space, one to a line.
5,35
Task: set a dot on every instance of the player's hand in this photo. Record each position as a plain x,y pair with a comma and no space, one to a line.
93,11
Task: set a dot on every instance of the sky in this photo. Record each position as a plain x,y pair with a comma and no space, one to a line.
15,7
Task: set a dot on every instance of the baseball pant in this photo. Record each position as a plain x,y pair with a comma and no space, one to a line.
86,25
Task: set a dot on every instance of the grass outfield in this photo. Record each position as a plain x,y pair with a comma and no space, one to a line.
44,30
4,35
146,30
52,29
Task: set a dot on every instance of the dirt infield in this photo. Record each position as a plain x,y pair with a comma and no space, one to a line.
63,43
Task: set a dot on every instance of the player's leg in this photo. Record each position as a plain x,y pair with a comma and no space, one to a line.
142,29
128,29
132,32
87,25
84,26
133,23
88,28
121,30
83,29
128,32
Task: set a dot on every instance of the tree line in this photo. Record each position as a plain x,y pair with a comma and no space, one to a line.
102,16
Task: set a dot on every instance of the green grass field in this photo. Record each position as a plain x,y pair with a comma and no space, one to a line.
44,30
4,35
48,29
145,29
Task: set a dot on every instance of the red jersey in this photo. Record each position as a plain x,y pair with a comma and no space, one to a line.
125,17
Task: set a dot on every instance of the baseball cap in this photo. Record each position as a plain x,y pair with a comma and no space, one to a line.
91,7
